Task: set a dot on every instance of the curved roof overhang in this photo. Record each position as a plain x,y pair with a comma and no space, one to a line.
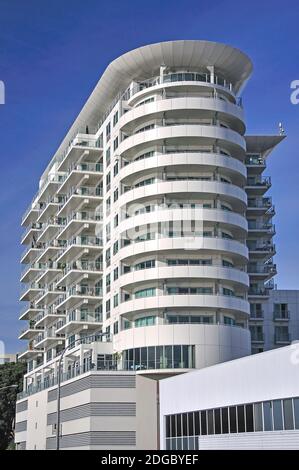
145,62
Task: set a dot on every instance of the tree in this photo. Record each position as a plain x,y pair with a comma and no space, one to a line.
10,374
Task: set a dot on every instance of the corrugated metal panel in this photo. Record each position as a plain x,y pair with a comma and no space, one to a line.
95,438
257,440
94,409
22,406
94,381
21,426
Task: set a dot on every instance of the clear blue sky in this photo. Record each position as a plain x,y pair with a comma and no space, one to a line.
53,52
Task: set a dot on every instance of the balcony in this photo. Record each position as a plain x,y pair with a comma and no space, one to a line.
30,331
30,233
31,271
31,253
257,338
263,271
282,338
75,220
74,271
262,292
261,228
257,316
84,146
29,312
48,338
49,186
262,251
31,291
91,196
49,294
48,209
281,316
255,164
48,316
49,230
76,246
90,295
77,320
258,187
78,172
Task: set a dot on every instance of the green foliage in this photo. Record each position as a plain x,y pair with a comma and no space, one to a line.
11,373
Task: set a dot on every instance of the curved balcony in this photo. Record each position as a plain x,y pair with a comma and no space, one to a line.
232,275
185,189
224,303
187,80
194,160
196,106
228,219
206,134
168,244
86,171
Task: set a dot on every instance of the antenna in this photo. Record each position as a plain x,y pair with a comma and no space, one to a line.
281,129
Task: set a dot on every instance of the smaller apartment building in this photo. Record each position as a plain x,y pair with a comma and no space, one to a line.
274,323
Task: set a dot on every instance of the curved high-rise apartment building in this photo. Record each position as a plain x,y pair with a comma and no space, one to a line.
140,225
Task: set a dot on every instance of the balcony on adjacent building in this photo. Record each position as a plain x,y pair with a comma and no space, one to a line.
83,146
87,320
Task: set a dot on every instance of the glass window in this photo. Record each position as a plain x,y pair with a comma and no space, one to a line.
288,414
190,424
210,421
167,426
258,417
296,412
185,424
249,418
179,425
225,427
151,357
232,419
173,426
203,422
241,418
168,357
217,421
197,423
277,415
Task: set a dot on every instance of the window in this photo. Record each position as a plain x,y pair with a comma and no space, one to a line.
115,195
249,417
115,247
145,321
258,417
115,327
241,418
115,143
108,131
108,181
115,300
145,292
115,169
288,414
108,205
277,415
210,421
232,419
225,424
296,412
115,274
145,265
115,118
217,419
108,156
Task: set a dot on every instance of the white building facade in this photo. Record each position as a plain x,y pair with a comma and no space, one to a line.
151,223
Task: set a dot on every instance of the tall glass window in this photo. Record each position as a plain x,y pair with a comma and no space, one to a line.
277,415
296,412
288,414
258,417
232,419
267,416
